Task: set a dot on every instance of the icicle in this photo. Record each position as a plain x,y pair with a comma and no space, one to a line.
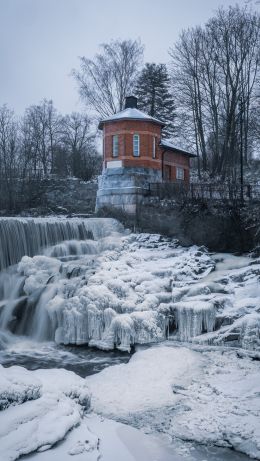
124,332
193,318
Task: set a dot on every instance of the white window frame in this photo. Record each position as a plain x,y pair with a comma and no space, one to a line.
180,173
136,145
154,146
115,144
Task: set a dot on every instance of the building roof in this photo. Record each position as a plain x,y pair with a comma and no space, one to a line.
167,145
130,114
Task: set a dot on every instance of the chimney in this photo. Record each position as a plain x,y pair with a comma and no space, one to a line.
130,102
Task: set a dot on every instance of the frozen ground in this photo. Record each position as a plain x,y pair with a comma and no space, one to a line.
39,408
178,397
207,396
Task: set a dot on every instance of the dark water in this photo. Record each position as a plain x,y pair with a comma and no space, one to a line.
81,360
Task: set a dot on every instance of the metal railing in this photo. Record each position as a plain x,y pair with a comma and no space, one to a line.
205,191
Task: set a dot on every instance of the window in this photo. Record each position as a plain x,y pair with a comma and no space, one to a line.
154,147
115,150
136,145
180,173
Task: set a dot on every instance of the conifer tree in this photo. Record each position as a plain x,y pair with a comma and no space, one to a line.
153,90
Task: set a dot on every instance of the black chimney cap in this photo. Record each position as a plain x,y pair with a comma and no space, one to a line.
130,102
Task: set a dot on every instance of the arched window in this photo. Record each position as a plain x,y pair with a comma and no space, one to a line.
136,145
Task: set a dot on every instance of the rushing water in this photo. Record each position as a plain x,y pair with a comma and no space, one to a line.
28,236
81,360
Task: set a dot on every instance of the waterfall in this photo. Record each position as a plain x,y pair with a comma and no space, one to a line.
28,236
10,296
63,288
56,256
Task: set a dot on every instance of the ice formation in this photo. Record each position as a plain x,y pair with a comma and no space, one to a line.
118,290
193,318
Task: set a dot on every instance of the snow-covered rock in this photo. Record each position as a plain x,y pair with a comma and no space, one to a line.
51,403
17,385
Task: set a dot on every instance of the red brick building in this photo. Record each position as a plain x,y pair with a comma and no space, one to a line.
134,152
133,139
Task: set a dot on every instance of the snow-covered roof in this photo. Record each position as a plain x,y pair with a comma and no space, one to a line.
169,146
130,114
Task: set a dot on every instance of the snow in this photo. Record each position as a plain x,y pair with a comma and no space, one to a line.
205,395
143,384
57,413
167,143
49,403
130,113
208,396
223,405
99,438
17,386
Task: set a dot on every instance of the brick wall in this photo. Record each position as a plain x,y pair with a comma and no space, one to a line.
125,129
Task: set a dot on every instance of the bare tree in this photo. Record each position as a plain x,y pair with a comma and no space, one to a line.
105,81
8,155
42,127
215,71
79,142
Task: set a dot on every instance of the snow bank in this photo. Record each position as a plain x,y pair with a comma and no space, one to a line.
211,397
17,386
223,406
145,383
51,402
97,438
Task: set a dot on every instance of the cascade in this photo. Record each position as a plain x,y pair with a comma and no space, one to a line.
28,236
37,296
54,294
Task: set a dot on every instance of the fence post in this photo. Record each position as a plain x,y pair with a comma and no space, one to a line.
248,191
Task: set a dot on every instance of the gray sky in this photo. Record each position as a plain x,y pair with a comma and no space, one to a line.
41,40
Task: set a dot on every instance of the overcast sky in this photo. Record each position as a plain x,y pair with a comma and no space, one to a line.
41,40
